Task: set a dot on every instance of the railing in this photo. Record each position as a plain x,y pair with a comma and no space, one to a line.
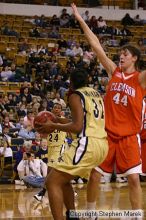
124,4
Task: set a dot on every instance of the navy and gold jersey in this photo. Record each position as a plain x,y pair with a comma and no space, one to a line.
56,138
93,107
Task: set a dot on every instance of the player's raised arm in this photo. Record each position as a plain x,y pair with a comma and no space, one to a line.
108,64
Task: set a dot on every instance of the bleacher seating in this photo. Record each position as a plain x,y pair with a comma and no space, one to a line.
23,28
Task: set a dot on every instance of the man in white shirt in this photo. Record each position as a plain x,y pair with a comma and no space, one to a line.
85,16
32,171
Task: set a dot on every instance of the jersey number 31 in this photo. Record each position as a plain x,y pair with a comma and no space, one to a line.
98,109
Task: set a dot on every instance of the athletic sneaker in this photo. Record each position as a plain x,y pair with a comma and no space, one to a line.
22,183
121,179
38,197
19,182
80,181
73,182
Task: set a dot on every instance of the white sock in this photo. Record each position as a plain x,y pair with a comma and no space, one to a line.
91,205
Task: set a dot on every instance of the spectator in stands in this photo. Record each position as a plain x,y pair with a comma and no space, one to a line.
141,45
43,105
36,89
64,21
101,23
125,31
59,100
54,33
138,20
33,49
7,122
78,51
35,101
23,85
32,171
6,30
7,74
6,151
127,20
69,51
24,47
34,32
27,133
58,82
15,99
123,41
22,111
1,61
13,116
88,55
11,100
2,107
42,21
35,109
93,24
6,102
104,43
29,118
36,20
50,96
64,13
43,151
56,50
26,94
102,26
113,42
62,42
86,16
24,107
41,53
73,22
20,123
5,132
31,20
19,154
44,33
54,21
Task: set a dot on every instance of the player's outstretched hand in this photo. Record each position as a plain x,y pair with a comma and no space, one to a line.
75,12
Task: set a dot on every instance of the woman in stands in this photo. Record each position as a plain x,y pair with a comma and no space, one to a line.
6,151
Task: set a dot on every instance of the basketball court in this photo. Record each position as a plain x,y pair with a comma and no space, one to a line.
17,202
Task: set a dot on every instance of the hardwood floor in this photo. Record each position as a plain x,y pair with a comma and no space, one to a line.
17,202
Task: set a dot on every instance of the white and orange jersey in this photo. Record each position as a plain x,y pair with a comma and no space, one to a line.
124,104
